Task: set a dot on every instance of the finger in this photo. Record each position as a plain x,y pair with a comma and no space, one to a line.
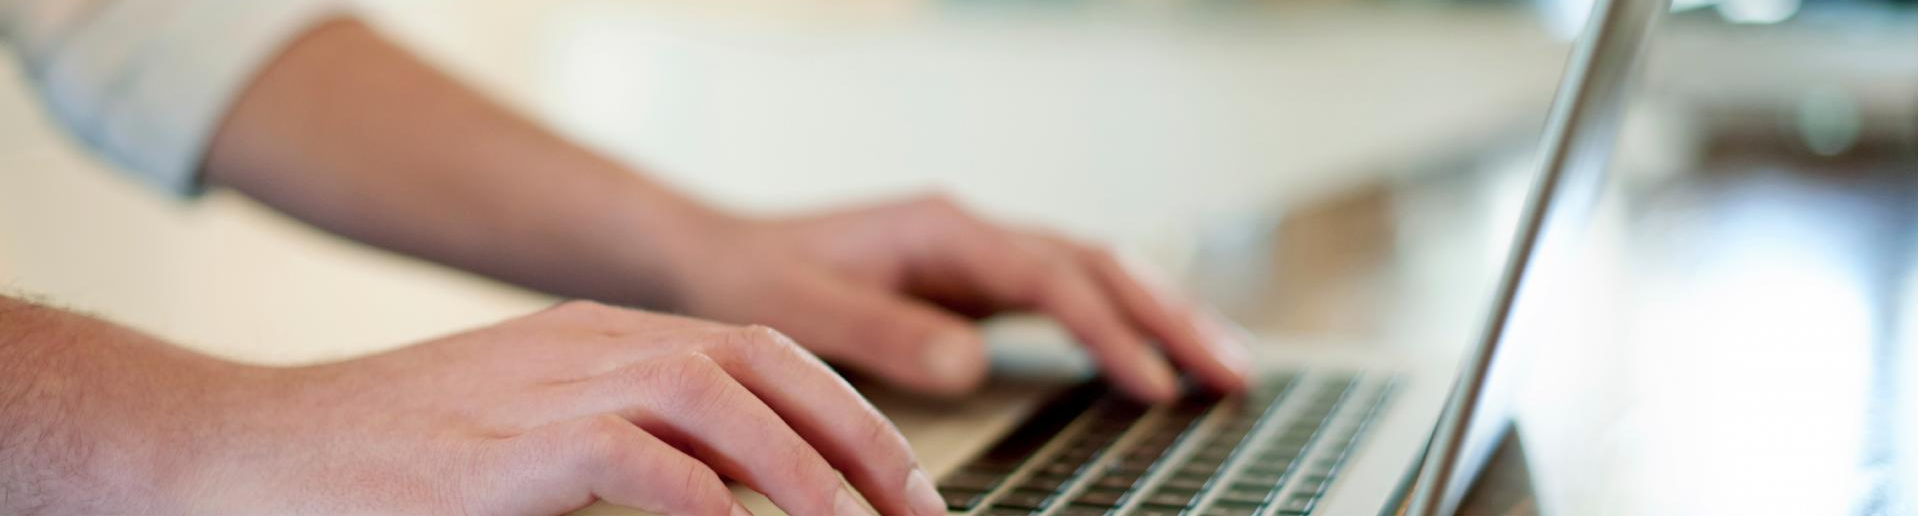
825,410
1214,357
690,400
1028,273
828,413
900,340
1069,295
566,465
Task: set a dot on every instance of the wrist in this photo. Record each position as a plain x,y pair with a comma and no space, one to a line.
700,245
101,419
215,454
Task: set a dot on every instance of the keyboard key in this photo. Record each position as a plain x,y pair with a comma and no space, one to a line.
1079,453
1298,503
1212,455
1231,436
1183,482
1043,482
1264,477
1005,456
1084,510
1230,510
1293,436
1151,448
1279,456
1232,503
1100,497
1136,463
1247,496
1118,481
1154,510
1166,498
971,479
1169,490
961,499
1058,468
1246,486
1158,440
1024,499
1194,469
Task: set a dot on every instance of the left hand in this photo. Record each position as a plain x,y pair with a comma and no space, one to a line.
887,290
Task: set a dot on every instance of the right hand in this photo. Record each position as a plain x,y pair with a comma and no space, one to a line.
548,413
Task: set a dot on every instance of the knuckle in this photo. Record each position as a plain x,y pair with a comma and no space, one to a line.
756,341
704,494
601,443
891,449
800,462
694,383
1051,282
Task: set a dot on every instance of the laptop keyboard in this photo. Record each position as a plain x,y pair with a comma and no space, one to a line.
1089,451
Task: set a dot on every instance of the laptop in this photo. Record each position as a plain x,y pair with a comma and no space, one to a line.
1319,432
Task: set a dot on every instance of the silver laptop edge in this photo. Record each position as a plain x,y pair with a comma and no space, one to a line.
1583,124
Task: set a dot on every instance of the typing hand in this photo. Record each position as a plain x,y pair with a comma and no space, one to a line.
887,290
546,413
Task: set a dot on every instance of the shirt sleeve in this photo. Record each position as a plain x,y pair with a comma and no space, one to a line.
147,82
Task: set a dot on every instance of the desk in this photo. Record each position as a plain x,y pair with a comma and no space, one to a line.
1734,338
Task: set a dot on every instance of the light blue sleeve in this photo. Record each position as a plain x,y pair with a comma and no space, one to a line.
147,82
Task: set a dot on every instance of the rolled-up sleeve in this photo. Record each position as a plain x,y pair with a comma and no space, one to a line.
147,82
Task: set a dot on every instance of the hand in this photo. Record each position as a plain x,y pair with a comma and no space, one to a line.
341,113
886,290
545,414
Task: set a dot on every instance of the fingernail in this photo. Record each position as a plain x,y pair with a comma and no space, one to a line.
740,510
954,359
846,504
922,495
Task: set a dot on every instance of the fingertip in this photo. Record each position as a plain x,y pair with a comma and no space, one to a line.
1153,382
1226,344
954,360
844,503
922,495
1228,381
1235,371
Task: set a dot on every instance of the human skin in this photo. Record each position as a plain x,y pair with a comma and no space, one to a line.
549,412
350,133
538,415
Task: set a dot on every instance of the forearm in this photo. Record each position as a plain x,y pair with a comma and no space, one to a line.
349,132
95,418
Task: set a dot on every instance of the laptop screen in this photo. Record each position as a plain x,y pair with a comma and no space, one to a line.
1571,157
1716,324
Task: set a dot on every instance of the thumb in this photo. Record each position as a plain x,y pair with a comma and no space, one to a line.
903,341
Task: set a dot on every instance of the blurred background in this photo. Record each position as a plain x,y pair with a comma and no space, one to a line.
1724,330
